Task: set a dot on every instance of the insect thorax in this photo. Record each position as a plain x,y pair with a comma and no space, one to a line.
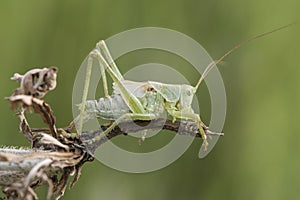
153,102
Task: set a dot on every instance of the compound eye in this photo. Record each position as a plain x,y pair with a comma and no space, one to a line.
189,92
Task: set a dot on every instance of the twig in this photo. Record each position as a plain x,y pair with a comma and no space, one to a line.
188,128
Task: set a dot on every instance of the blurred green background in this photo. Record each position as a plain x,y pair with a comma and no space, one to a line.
259,156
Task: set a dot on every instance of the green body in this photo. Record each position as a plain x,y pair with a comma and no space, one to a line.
144,100
156,99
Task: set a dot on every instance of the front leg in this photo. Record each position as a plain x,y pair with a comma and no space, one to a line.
196,118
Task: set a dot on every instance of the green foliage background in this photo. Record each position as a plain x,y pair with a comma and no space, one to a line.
259,156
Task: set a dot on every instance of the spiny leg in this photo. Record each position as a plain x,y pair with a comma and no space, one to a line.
101,45
85,92
106,59
90,58
104,81
133,103
196,118
102,69
132,116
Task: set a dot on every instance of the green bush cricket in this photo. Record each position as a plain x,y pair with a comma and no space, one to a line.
143,100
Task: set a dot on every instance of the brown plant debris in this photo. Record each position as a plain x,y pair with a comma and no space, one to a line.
39,107
36,82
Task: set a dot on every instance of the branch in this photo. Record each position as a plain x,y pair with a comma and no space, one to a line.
86,139
188,128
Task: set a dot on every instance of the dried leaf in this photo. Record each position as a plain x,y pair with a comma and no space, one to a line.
39,107
24,126
36,82
46,113
45,141
24,100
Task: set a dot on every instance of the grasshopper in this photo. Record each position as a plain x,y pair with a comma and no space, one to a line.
142,100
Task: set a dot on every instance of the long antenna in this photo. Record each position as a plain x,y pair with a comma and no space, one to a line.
215,63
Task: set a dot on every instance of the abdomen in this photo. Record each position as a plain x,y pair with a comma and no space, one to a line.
109,107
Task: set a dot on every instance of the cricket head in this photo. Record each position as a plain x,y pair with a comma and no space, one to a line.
186,96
